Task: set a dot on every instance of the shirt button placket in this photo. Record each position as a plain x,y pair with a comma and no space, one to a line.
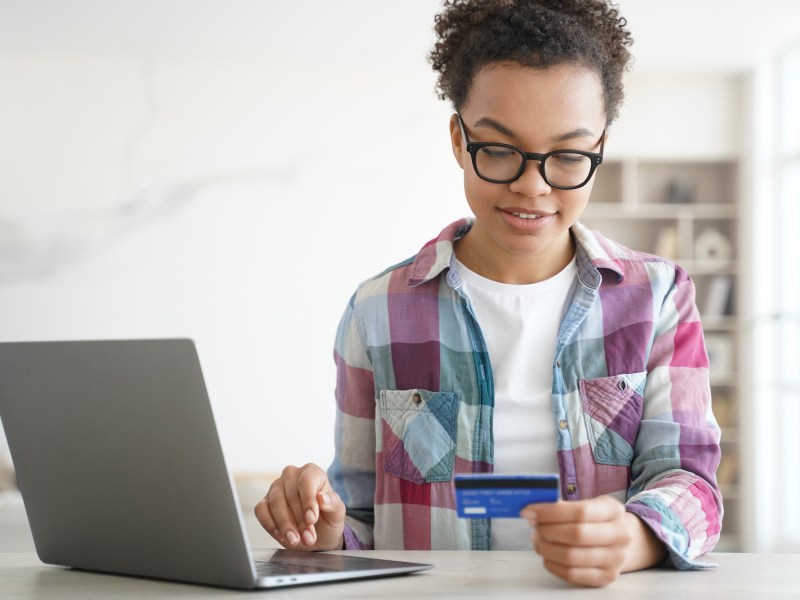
563,425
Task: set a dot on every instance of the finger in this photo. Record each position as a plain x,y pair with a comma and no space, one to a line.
311,481
282,515
602,508
605,533
264,517
587,576
331,507
328,500
604,557
325,500
291,492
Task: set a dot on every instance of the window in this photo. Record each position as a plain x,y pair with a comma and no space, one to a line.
787,374
775,408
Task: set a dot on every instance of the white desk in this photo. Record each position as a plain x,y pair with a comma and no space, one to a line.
484,575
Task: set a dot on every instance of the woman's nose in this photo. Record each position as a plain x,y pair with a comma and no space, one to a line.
531,183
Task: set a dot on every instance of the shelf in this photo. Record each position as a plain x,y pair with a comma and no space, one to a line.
719,323
708,267
653,210
729,491
728,384
723,378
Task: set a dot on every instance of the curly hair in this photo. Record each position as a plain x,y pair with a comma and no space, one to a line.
472,34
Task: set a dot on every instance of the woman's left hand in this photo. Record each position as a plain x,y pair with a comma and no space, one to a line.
590,542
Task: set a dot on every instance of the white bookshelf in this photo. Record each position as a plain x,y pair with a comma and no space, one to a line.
689,212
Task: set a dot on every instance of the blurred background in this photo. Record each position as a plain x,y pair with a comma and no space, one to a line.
230,171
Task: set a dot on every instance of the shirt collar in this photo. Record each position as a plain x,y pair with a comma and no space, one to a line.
595,254
434,257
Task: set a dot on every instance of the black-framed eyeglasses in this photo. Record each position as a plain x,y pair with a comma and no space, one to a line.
503,163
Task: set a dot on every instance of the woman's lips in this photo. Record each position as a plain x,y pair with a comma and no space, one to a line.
526,215
526,220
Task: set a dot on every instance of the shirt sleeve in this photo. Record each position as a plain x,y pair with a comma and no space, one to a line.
673,475
352,473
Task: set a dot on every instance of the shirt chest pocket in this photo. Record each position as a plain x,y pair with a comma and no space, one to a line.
612,411
419,434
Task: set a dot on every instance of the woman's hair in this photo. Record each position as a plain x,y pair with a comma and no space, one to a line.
534,33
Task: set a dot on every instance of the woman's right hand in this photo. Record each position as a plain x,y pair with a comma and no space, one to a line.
301,510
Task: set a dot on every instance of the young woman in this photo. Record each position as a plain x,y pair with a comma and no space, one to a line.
519,341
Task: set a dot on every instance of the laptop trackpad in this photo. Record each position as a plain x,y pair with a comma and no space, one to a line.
287,567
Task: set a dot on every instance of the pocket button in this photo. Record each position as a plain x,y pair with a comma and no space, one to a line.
622,385
416,399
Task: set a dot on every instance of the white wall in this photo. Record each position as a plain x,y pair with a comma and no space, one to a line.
679,116
232,194
229,171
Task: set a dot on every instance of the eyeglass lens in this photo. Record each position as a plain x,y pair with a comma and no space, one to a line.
565,169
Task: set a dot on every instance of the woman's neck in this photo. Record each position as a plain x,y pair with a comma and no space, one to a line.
492,262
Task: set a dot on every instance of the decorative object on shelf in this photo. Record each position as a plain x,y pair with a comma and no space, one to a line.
680,191
713,247
667,243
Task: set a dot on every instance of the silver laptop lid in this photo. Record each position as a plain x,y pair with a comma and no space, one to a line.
119,462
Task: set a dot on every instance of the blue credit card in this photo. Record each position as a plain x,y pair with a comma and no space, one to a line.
490,496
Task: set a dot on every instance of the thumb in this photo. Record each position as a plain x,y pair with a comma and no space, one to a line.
328,501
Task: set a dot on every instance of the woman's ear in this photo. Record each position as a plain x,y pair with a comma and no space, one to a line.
606,135
457,140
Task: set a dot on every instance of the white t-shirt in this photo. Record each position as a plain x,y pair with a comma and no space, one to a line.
520,326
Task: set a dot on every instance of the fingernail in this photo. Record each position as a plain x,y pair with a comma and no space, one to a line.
277,534
292,537
326,498
310,518
308,538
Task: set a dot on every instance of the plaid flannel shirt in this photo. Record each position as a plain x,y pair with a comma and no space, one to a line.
631,400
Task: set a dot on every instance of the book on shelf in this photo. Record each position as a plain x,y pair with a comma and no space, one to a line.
718,298
667,243
719,347
728,470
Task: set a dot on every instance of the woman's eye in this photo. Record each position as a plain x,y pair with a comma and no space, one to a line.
570,159
496,152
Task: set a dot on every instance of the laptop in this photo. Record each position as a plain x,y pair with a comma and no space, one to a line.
121,469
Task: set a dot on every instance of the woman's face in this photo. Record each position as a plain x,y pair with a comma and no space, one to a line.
521,228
